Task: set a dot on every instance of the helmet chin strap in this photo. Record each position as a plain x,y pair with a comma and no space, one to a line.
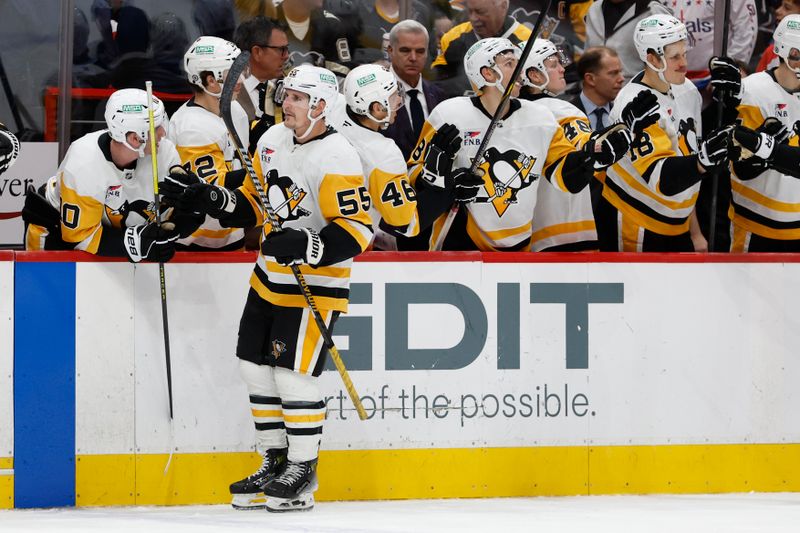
660,71
543,87
311,125
384,122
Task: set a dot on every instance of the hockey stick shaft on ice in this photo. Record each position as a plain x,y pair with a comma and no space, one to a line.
499,112
161,276
235,71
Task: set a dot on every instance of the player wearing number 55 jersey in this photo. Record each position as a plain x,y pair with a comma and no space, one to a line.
313,179
649,195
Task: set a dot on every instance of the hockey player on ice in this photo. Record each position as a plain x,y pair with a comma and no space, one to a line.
648,198
527,147
202,140
765,196
313,178
101,199
563,221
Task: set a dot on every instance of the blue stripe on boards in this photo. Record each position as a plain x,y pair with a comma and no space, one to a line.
44,384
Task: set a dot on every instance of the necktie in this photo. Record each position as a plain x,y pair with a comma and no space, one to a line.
262,96
417,115
599,113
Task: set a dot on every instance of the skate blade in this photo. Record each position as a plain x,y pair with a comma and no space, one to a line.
249,502
304,502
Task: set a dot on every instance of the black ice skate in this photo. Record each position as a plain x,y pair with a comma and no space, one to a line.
248,493
293,490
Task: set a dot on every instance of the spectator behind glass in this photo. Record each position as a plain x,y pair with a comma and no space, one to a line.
600,71
611,23
135,65
377,18
769,59
699,20
214,18
169,42
104,13
487,18
408,53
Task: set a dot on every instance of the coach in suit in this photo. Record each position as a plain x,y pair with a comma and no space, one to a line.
408,53
600,72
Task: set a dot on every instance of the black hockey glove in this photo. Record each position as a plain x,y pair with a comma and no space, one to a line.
290,245
175,184
640,113
726,86
713,150
607,146
442,148
757,144
776,129
9,149
186,222
151,242
189,193
465,185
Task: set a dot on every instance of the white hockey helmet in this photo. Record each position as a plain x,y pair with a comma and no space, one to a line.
787,37
541,51
655,33
127,111
483,54
367,84
318,83
209,54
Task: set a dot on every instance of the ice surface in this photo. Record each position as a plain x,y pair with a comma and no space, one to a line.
722,513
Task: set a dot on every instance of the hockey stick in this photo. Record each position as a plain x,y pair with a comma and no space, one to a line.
712,222
234,72
499,112
161,277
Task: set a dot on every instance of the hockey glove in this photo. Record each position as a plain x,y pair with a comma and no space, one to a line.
442,148
726,86
465,185
151,242
190,193
290,245
607,146
9,149
640,113
176,182
775,128
713,150
756,144
186,222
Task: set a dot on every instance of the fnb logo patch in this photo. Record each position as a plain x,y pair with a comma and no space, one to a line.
266,154
472,138
781,111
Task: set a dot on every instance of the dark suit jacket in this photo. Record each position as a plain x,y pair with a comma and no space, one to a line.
576,101
400,132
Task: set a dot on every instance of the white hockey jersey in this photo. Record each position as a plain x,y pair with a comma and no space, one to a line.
632,183
204,145
92,194
310,185
525,143
393,198
562,220
769,204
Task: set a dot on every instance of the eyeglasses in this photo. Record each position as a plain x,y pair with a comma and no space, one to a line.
282,50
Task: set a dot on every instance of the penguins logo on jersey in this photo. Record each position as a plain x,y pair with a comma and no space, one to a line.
284,196
509,173
131,213
278,348
687,136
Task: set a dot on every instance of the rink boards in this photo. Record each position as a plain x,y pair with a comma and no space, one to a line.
483,374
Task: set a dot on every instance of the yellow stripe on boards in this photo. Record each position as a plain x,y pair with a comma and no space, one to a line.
6,483
453,473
